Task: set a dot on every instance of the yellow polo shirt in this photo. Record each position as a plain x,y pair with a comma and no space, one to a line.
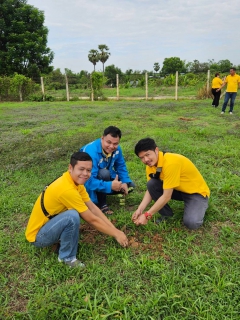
216,83
60,196
232,83
179,173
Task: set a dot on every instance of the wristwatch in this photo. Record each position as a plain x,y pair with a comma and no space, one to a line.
148,215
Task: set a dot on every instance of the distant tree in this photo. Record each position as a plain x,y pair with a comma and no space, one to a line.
55,80
23,40
198,67
72,77
171,65
83,73
110,74
129,71
156,67
103,54
93,57
224,65
213,65
84,79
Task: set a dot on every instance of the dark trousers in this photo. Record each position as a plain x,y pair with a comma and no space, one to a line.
195,205
216,98
104,174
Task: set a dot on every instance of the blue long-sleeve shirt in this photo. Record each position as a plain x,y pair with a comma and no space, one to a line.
117,166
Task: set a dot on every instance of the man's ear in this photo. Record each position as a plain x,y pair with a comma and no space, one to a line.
157,149
70,168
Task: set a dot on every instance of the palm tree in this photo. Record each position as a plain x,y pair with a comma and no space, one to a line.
93,57
104,54
156,66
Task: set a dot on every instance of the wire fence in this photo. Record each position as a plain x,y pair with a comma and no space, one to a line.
124,86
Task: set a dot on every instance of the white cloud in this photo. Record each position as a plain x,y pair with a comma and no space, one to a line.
141,32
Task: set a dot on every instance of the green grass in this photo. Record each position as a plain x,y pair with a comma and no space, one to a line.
167,272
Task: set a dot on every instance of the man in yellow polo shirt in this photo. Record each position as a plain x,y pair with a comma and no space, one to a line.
57,211
233,83
170,176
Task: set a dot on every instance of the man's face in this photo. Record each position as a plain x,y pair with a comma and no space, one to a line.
232,72
109,143
81,171
150,157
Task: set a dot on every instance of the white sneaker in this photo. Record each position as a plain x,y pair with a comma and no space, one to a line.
222,112
230,113
74,263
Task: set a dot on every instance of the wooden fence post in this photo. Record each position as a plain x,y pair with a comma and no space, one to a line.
146,84
176,86
92,93
67,89
208,80
42,86
20,92
117,83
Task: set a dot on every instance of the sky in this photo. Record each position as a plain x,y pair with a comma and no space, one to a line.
141,32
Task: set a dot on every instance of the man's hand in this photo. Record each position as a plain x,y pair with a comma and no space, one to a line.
136,214
124,188
121,238
116,185
142,220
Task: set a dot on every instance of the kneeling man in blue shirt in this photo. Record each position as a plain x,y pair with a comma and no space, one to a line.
109,171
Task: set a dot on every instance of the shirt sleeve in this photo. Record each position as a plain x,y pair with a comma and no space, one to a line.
74,199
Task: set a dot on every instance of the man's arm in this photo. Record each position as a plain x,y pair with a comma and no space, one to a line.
158,205
145,201
97,212
120,167
101,225
224,83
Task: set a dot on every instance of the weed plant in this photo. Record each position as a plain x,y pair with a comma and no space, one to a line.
167,272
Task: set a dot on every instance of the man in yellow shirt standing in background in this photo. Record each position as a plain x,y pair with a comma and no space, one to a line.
57,211
170,176
233,83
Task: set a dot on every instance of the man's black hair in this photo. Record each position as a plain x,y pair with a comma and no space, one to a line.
113,131
145,145
79,156
233,68
216,74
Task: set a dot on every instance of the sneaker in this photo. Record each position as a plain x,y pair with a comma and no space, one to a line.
161,219
222,112
230,113
74,263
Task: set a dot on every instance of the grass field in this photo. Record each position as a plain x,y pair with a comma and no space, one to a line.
167,272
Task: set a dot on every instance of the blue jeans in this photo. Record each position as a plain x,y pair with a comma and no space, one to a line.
229,95
64,228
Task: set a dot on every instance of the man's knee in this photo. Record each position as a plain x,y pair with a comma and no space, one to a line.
73,216
153,183
104,174
192,223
